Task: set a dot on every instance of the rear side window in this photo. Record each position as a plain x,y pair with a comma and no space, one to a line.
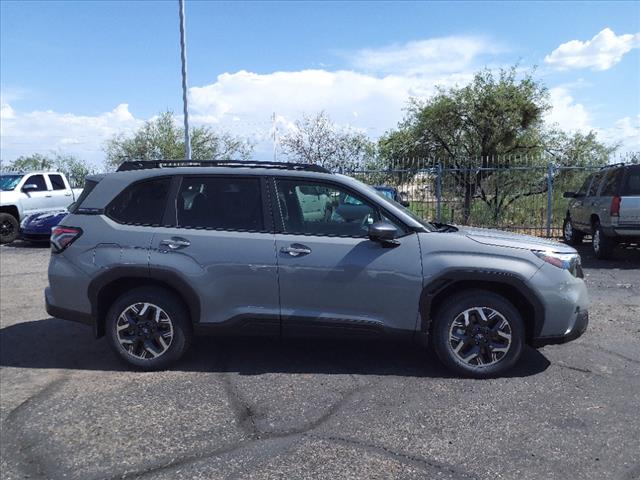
57,182
38,181
593,189
142,203
611,183
220,203
632,182
88,186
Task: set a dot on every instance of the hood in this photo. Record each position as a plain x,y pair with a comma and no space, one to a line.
46,218
513,240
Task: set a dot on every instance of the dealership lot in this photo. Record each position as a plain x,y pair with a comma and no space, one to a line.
236,408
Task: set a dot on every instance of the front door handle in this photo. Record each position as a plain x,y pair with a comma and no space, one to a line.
174,243
296,250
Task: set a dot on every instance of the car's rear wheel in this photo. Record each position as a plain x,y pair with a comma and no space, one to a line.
602,245
9,228
149,328
478,334
571,235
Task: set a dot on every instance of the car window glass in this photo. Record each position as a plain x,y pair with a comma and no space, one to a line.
632,184
38,181
583,189
610,183
142,203
310,208
593,189
223,203
57,182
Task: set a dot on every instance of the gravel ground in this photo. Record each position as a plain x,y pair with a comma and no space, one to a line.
265,409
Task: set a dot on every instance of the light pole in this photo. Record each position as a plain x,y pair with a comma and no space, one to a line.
183,57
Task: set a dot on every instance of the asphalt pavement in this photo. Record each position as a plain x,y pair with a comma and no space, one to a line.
267,409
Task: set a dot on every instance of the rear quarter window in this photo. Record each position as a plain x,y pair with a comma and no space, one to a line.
632,182
611,183
142,203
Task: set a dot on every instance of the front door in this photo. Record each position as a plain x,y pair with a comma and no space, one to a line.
36,199
331,276
220,242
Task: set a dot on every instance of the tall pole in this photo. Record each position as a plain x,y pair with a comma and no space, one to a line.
185,108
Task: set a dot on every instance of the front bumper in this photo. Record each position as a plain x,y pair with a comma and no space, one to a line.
578,327
34,236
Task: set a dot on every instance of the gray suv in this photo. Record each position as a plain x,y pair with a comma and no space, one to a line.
607,207
159,251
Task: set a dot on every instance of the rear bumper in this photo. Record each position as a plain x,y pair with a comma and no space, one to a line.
65,313
578,327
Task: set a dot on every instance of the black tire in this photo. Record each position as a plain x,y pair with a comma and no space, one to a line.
570,235
178,317
452,309
602,245
9,228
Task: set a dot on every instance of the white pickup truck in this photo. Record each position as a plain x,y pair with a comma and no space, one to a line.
22,194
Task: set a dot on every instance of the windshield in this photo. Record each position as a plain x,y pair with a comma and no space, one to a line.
9,182
429,226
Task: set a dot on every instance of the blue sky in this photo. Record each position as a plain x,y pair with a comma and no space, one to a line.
74,73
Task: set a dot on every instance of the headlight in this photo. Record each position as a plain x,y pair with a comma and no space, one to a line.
565,261
24,221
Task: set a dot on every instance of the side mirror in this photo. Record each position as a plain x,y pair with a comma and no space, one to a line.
382,232
29,187
569,195
405,203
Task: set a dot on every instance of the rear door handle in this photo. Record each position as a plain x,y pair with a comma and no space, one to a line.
174,243
296,250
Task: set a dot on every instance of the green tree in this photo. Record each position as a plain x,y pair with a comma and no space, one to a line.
162,139
483,128
316,139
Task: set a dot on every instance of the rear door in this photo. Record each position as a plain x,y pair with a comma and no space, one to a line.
61,195
332,277
218,237
591,205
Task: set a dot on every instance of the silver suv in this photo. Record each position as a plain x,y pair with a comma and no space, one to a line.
607,207
159,251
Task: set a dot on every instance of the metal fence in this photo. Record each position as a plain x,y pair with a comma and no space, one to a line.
518,193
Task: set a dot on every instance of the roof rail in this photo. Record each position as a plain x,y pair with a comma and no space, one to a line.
145,164
611,165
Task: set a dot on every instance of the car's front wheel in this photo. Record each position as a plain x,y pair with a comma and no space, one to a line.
570,234
478,334
149,328
9,228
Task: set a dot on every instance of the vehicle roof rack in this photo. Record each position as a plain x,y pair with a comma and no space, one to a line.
146,164
611,165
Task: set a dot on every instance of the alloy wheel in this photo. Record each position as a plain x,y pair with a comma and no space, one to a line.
480,336
568,231
144,330
6,228
596,241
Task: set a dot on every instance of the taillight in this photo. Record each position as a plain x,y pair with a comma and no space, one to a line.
615,207
62,237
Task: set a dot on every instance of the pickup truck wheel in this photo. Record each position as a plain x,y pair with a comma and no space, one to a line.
9,228
602,245
149,328
571,235
478,334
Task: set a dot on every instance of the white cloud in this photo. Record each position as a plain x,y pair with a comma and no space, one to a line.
436,55
602,52
566,113
46,131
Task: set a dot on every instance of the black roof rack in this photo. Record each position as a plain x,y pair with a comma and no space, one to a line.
612,165
145,164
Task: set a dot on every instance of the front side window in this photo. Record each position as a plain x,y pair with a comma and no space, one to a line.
220,203
310,208
593,189
38,181
142,203
57,182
